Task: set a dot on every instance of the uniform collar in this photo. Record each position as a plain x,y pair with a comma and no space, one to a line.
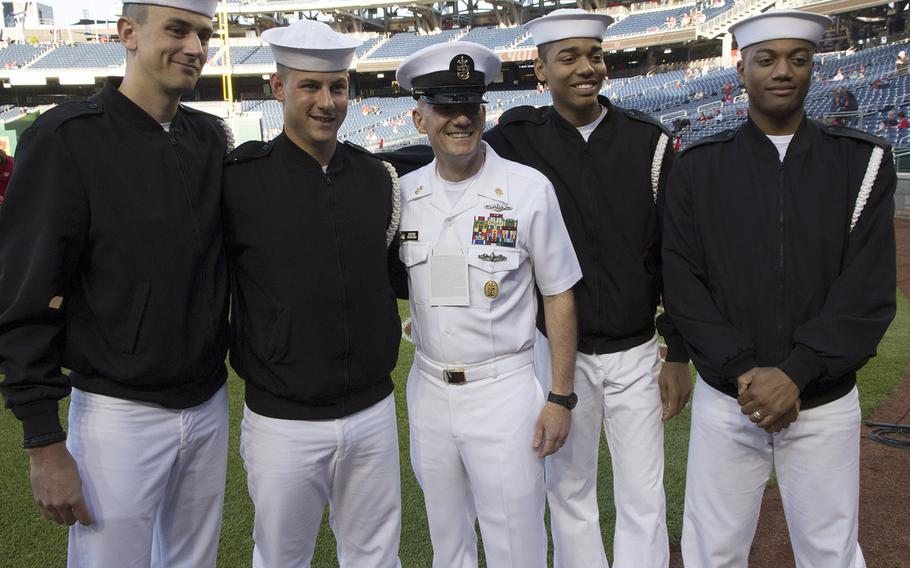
297,156
491,183
558,119
799,144
113,99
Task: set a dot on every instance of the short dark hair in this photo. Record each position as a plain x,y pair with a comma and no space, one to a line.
542,51
137,12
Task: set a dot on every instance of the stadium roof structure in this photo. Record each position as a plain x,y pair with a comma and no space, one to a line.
257,7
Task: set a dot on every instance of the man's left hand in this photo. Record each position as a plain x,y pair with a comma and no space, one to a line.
675,387
771,394
552,429
786,420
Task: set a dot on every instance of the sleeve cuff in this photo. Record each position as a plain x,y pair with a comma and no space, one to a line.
560,286
677,352
803,366
46,440
40,422
739,365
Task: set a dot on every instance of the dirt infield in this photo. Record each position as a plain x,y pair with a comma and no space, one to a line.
884,525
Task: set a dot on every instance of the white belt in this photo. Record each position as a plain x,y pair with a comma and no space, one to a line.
460,374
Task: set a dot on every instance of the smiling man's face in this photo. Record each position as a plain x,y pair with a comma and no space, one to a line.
454,130
315,104
169,45
574,69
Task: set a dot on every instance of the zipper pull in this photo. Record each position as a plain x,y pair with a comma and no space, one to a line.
328,180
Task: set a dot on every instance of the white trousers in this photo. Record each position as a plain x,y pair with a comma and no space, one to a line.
295,467
153,479
471,450
730,459
619,390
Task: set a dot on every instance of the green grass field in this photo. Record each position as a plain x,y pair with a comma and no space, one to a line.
27,540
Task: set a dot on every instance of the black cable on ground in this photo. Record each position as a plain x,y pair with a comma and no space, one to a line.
894,435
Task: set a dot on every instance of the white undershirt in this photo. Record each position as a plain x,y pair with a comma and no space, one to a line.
455,189
166,126
782,142
587,129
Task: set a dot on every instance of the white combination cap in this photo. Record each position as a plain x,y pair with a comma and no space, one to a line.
308,45
780,24
204,7
567,23
451,72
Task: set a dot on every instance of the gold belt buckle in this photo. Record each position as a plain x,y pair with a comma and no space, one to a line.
453,376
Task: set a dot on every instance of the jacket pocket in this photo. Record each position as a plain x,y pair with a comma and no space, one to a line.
488,271
120,319
261,322
414,257
277,346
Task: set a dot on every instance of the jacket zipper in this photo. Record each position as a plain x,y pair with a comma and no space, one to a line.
198,229
780,264
329,182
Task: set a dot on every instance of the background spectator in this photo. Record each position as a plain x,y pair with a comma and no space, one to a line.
890,120
6,172
901,65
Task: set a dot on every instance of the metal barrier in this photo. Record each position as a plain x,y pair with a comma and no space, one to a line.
664,118
902,160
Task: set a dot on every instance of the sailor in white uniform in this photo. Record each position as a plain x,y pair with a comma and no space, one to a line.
478,233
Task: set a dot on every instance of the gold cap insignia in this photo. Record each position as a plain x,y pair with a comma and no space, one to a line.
463,67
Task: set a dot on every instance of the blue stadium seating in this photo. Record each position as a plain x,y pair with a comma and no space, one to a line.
20,54
367,45
869,74
241,53
494,38
403,44
262,56
9,112
83,56
649,22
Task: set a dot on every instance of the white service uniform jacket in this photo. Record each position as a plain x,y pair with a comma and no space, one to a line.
527,237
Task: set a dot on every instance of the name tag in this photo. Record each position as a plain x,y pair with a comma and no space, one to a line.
407,236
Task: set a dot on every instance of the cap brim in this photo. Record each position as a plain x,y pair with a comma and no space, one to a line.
454,99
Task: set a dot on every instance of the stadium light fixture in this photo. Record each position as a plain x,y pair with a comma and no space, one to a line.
380,75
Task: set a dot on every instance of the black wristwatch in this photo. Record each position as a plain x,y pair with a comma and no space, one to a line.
567,401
